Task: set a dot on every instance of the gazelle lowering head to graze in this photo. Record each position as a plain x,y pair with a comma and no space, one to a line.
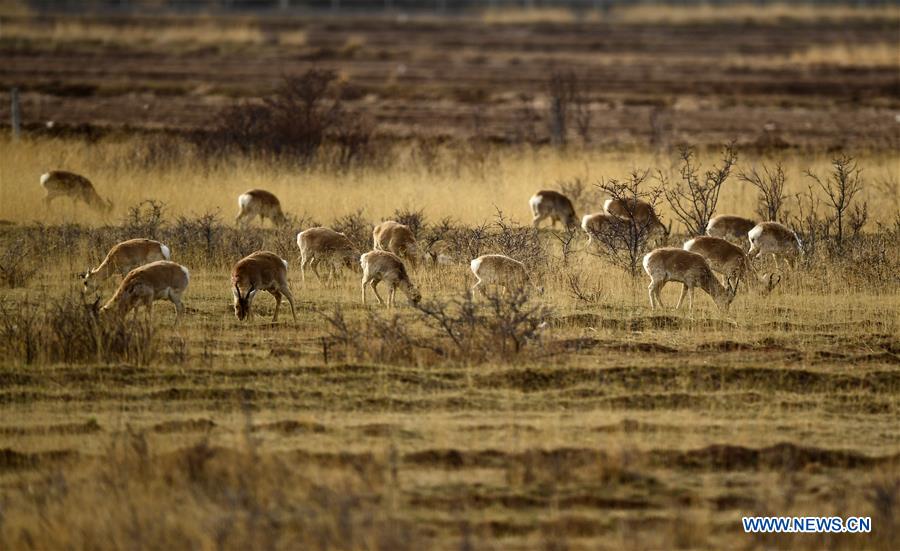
59,183
382,265
259,202
775,239
396,238
125,257
731,261
605,227
691,269
319,245
641,212
160,280
732,228
500,270
260,271
553,205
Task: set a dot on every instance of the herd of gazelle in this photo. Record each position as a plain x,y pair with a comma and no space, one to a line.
150,275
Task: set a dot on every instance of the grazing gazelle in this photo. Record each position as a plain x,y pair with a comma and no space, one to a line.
383,265
394,237
690,269
125,257
601,224
553,205
500,270
775,239
259,202
731,261
260,271
319,245
160,280
733,228
641,212
59,183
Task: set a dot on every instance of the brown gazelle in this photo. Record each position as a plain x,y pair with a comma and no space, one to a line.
259,202
641,212
553,205
319,245
690,269
59,183
160,280
500,270
731,261
601,224
396,238
125,257
383,265
775,239
733,228
260,271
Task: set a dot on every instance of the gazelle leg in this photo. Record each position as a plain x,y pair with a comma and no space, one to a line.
364,282
374,284
691,299
303,260
684,291
179,308
538,218
479,286
290,298
277,296
391,296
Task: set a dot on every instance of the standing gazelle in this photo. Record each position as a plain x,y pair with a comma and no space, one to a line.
733,228
160,280
260,271
775,239
553,205
59,183
500,270
690,269
259,202
641,212
731,261
319,245
382,265
397,238
125,257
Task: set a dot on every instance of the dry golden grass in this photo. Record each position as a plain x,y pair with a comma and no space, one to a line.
457,188
750,12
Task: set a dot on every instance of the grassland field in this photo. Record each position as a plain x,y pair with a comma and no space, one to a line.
616,427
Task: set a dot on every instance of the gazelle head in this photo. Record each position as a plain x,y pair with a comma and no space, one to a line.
242,303
769,281
89,283
724,300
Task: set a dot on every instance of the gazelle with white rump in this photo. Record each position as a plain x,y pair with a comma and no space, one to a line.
160,280
125,257
380,266
775,239
606,228
59,183
553,205
259,202
397,238
731,261
691,270
502,271
319,245
641,212
733,228
260,271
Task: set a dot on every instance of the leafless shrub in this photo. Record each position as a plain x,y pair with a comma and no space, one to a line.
568,103
155,152
840,187
694,200
594,295
15,268
769,183
293,124
68,329
522,243
625,243
202,237
584,197
414,218
435,238
357,228
144,219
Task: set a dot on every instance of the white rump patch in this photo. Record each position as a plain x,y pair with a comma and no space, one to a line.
688,244
44,178
283,261
754,234
244,200
187,274
475,264
606,205
167,254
